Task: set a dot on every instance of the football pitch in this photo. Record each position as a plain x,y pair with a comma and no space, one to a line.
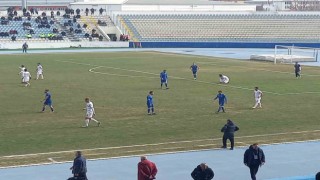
118,84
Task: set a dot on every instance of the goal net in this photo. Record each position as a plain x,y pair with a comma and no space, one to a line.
290,54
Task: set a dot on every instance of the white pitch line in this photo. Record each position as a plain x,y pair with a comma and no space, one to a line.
155,144
121,75
280,72
50,159
163,153
174,77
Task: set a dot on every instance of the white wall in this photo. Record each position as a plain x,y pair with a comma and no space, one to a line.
42,45
111,30
173,8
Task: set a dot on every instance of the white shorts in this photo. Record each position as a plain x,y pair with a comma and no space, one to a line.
258,100
39,73
26,79
224,82
89,115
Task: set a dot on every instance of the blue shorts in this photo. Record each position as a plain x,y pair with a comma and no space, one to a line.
164,81
150,105
221,104
48,103
194,72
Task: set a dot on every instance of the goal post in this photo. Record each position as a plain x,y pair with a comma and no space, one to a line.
290,54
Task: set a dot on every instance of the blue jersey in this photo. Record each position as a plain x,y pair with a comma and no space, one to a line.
163,76
194,68
47,98
149,100
222,98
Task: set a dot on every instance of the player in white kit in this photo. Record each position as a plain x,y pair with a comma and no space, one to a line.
223,79
39,71
90,113
26,78
257,96
22,68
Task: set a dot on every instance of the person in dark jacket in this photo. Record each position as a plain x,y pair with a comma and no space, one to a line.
253,158
202,172
228,133
318,176
24,47
79,168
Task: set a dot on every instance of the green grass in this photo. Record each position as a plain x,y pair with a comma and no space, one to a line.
184,112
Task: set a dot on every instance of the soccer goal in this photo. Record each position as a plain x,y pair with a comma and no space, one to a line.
290,54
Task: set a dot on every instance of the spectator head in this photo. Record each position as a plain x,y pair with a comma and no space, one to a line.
142,158
255,145
203,166
78,153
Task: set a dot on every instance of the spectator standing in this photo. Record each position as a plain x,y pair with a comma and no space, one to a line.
257,96
24,47
92,11
228,133
100,11
318,176
297,70
87,11
147,170
79,168
254,158
222,99
202,172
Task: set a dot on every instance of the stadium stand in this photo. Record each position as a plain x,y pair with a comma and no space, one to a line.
40,28
263,27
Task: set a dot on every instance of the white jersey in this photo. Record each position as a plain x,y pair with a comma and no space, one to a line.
39,69
26,76
224,79
21,71
257,94
89,107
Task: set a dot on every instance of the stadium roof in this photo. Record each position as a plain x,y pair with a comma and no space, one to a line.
175,2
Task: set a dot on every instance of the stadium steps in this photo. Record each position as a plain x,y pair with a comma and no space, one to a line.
69,35
92,22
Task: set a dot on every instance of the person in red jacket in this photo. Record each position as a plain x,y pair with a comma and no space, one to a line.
146,169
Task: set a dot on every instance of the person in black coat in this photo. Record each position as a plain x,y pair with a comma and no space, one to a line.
254,158
202,172
318,176
228,133
79,168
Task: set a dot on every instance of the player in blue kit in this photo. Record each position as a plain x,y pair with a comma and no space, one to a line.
47,100
222,99
164,78
194,68
150,103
